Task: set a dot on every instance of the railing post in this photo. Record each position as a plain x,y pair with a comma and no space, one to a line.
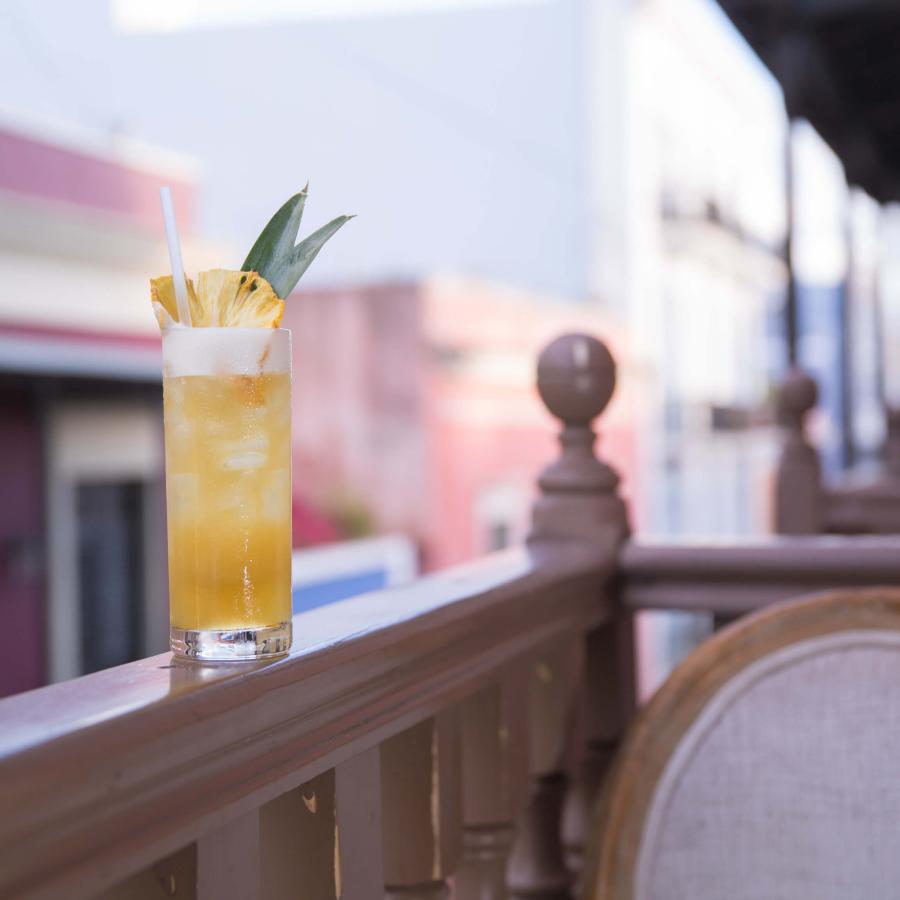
609,701
799,498
579,505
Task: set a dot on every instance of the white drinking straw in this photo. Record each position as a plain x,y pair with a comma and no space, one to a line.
178,280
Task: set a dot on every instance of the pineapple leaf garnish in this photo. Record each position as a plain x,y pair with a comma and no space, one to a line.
305,252
275,255
278,236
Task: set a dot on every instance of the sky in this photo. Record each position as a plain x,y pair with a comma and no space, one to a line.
175,15
456,134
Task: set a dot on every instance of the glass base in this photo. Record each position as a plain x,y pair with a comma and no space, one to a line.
232,646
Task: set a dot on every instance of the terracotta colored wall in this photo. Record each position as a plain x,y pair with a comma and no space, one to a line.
489,434
418,401
358,401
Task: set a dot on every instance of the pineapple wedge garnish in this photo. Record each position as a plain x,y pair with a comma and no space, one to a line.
165,308
222,299
251,298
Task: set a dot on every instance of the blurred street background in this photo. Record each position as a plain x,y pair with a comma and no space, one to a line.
519,168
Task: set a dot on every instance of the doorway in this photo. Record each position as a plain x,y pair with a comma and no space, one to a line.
111,580
21,545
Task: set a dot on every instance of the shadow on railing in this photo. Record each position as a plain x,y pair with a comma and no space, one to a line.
456,728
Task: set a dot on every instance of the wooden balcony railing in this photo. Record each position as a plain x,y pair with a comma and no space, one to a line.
731,579
452,732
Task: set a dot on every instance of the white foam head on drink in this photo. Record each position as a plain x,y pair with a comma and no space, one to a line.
226,351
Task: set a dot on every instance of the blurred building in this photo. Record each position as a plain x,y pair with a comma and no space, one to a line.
548,183
705,214
625,156
519,167
82,552
415,408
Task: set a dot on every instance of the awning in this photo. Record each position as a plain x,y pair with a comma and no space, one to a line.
38,350
839,66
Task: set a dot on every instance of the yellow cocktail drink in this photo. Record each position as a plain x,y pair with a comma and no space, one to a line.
226,391
228,491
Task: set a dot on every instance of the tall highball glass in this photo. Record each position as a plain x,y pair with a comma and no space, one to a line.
227,405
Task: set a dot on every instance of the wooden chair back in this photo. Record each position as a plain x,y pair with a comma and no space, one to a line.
768,765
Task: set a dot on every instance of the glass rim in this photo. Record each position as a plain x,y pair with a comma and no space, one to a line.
222,329
218,350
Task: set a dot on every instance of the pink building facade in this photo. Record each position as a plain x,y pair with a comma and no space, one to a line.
415,401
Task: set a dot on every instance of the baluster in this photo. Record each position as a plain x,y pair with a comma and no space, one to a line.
579,505
420,809
537,867
494,726
321,840
798,480
359,843
228,861
298,842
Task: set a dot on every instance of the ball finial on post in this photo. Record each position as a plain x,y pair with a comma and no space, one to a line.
576,378
798,478
797,396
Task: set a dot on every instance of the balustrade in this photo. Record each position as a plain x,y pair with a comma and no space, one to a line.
449,736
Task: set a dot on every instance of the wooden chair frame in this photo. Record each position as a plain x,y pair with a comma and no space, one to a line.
622,811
